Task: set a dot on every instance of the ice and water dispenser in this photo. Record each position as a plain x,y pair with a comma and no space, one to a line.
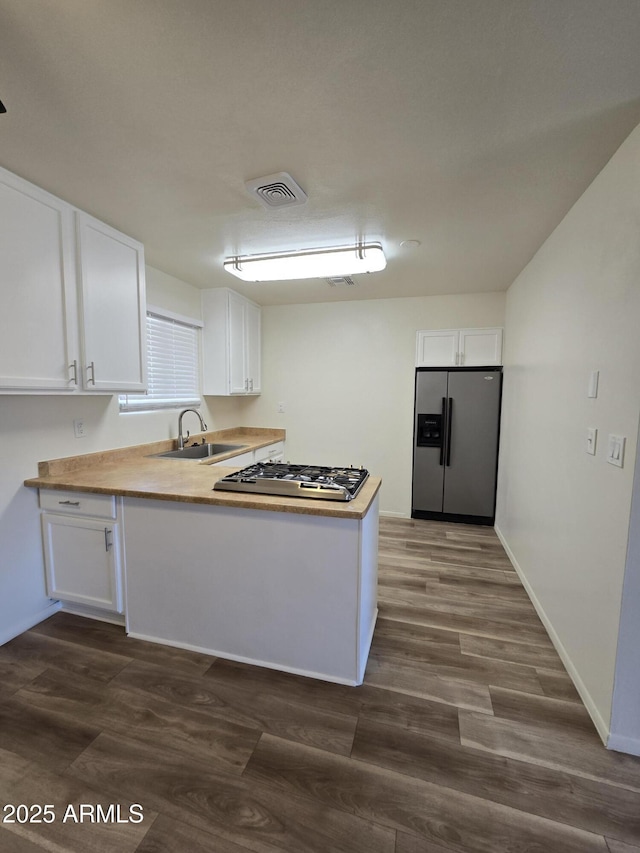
429,432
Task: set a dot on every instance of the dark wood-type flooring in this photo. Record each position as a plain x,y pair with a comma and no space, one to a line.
466,736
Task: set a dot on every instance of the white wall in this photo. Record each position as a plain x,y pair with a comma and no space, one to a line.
563,514
345,372
33,428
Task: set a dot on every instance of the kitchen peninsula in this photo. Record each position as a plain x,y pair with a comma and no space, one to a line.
275,581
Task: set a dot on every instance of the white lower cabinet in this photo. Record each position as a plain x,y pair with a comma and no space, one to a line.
83,553
270,453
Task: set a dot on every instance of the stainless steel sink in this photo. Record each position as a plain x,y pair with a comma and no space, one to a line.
200,451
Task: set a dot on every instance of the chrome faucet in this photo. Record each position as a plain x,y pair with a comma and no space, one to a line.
182,440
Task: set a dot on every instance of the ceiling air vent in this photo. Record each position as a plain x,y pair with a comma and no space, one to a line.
279,190
340,281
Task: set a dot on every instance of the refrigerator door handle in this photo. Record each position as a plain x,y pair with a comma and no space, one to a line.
444,430
449,421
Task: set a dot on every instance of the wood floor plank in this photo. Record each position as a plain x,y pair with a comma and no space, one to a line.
422,634
441,600
392,559
12,843
72,658
560,797
406,843
14,674
621,847
22,781
434,719
395,675
461,623
447,662
236,809
558,685
441,815
144,716
558,714
336,698
172,836
112,638
259,709
43,736
544,657
578,752
459,557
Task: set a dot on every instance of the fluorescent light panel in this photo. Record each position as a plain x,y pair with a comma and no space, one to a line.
309,263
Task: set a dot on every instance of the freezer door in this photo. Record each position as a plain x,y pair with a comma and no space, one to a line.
472,455
428,473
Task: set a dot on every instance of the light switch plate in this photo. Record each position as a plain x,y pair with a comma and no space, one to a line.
592,391
592,438
615,449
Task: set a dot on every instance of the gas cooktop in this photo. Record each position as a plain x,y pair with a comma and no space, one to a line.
301,481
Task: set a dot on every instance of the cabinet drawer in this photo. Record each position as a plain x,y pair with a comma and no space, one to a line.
78,503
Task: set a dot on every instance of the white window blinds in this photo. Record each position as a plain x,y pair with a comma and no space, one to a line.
173,374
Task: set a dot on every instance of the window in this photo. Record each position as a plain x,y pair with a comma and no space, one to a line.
173,364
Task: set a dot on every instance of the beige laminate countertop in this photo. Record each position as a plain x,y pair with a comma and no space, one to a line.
134,472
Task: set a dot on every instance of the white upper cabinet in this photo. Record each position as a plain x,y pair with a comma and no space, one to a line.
230,344
112,291
73,298
459,348
38,326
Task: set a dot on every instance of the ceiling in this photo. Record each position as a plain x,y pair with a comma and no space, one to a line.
469,125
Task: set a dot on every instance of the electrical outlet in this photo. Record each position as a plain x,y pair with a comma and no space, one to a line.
281,408
79,428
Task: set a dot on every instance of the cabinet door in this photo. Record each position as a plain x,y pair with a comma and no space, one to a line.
111,267
82,561
238,381
253,316
480,347
38,321
438,348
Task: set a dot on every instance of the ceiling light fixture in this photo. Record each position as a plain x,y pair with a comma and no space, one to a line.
308,263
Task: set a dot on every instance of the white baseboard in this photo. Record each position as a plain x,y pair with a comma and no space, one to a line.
388,514
93,613
621,743
240,659
24,624
598,721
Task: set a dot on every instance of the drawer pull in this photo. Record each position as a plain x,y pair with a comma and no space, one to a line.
107,541
69,503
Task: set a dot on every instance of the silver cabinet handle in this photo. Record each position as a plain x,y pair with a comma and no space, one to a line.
251,385
93,373
69,503
108,544
74,367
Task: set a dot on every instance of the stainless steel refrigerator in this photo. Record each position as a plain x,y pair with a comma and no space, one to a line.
456,435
